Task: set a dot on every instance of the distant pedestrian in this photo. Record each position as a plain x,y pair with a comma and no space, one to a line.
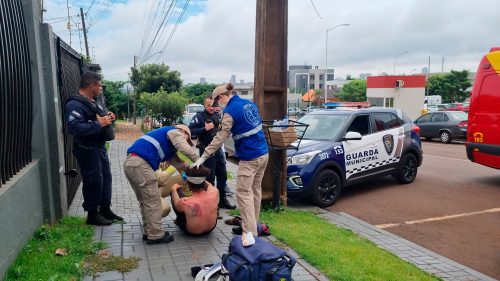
89,122
143,159
241,118
205,126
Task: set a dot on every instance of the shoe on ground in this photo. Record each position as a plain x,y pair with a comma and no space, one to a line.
237,230
110,215
225,204
145,236
229,192
94,218
167,238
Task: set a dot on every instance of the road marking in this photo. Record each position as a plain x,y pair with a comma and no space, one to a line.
427,155
389,225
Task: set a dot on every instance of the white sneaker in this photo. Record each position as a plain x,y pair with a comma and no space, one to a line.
247,239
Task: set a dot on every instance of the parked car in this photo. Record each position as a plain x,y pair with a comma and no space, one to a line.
344,147
310,109
458,107
190,111
294,111
447,125
432,108
441,106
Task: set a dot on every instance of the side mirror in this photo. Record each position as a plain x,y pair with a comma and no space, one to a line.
352,136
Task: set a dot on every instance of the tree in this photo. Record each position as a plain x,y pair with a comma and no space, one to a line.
450,86
197,92
353,91
116,99
166,108
150,78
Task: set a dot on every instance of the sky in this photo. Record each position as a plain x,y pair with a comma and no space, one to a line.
215,39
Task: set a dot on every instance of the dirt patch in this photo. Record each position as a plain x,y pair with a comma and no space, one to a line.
127,131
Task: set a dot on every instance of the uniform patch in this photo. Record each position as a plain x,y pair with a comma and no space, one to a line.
71,118
74,112
388,143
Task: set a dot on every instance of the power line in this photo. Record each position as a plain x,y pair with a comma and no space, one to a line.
90,7
175,28
315,9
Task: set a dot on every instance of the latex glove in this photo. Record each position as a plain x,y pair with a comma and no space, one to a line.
199,162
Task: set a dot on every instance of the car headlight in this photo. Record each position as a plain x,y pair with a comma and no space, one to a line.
302,159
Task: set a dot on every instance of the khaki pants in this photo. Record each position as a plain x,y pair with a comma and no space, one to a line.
249,191
142,178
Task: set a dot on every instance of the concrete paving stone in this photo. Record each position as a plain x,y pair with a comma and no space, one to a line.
109,276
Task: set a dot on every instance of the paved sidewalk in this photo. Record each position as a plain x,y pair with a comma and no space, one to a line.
169,262
173,261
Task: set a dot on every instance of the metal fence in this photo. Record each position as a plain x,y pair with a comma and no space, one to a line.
16,95
69,71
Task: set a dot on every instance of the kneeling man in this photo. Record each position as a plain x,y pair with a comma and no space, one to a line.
196,214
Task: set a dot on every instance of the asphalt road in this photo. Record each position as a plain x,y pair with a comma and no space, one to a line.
452,208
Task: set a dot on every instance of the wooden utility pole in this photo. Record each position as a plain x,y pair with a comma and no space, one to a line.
85,33
270,85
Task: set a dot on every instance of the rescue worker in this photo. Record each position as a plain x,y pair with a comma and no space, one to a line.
143,159
241,118
89,122
205,126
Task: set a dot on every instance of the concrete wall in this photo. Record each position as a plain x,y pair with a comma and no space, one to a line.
37,194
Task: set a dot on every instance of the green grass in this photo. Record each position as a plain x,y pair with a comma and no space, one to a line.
38,261
338,253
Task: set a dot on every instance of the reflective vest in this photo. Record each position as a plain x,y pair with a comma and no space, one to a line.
154,147
249,140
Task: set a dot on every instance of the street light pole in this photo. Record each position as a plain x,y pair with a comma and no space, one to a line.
395,57
326,55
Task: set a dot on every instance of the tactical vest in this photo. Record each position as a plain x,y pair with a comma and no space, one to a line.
205,138
154,147
249,140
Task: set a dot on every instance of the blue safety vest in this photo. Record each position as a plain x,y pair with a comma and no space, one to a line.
249,140
154,147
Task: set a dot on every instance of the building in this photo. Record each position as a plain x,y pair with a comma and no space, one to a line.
404,92
303,77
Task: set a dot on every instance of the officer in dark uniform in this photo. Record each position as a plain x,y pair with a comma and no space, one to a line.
89,122
205,126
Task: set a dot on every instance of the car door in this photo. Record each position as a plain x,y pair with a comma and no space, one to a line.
437,123
360,155
389,132
424,122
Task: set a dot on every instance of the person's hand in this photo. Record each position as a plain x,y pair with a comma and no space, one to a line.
199,162
209,126
175,186
104,120
111,116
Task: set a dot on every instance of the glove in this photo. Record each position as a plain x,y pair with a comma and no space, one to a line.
199,162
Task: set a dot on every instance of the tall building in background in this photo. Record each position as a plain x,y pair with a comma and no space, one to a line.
233,79
304,77
203,80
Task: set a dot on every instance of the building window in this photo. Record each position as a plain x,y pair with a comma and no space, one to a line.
244,93
389,102
329,77
311,86
311,77
376,101
321,77
321,86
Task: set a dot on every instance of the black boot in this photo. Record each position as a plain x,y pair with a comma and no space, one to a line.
94,218
225,204
106,212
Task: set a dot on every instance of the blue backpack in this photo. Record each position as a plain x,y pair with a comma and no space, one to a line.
262,261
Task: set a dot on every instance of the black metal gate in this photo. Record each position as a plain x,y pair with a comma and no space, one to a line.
69,71
16,95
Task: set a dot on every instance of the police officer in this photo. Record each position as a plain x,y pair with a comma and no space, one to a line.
242,119
89,122
205,126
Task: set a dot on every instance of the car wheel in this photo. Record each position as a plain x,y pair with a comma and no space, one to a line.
445,137
407,169
326,189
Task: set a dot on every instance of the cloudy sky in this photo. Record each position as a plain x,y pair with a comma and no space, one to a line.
216,38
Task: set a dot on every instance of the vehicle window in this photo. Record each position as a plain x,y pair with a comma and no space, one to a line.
424,118
195,108
458,115
360,124
322,127
438,117
446,119
385,121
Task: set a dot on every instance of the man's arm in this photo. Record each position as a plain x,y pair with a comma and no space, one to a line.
76,122
197,125
221,136
178,139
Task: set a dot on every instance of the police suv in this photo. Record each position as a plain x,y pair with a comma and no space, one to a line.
341,148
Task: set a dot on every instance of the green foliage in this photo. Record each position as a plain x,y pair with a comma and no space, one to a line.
450,86
116,98
338,253
38,261
197,92
150,78
353,91
166,108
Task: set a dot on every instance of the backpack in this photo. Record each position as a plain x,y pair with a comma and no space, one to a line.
262,261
